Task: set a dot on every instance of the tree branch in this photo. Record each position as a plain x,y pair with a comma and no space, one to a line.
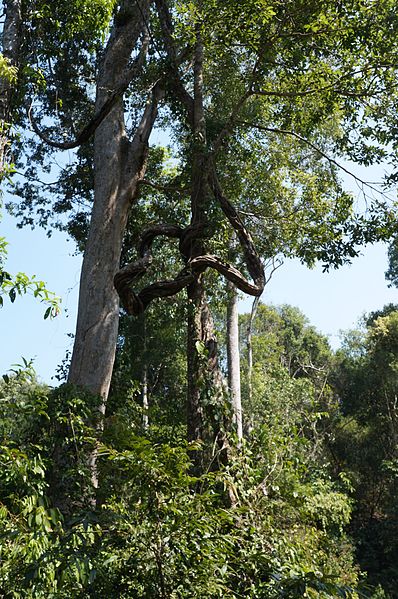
313,147
144,129
102,113
167,30
330,86
252,259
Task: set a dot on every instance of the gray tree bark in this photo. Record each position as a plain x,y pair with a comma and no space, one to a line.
233,359
11,41
119,165
249,345
145,399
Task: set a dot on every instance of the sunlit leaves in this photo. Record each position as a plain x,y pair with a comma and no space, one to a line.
73,20
21,284
7,71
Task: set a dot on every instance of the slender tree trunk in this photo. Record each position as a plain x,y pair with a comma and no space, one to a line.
11,40
145,403
249,346
233,358
204,377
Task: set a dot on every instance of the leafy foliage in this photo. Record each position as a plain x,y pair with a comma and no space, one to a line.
13,286
288,85
365,441
252,530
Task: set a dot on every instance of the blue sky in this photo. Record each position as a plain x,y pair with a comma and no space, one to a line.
336,300
24,332
332,301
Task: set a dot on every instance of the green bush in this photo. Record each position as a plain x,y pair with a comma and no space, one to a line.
266,526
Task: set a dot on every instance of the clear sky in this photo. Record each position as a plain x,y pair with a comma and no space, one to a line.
24,332
332,301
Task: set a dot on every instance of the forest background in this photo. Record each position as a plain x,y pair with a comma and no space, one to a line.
186,452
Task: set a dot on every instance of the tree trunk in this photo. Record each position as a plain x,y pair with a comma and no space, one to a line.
145,402
233,358
11,40
205,384
249,346
119,164
205,389
195,422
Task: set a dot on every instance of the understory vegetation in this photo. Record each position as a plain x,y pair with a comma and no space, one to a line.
305,507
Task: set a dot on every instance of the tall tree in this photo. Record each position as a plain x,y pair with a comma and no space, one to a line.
233,358
63,47
225,120
268,84
119,164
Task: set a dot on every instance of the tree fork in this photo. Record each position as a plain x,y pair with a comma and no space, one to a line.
119,164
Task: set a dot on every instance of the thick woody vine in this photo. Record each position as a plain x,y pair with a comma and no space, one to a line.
136,302
204,183
205,189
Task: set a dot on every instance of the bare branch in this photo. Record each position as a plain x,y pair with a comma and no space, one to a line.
148,118
135,303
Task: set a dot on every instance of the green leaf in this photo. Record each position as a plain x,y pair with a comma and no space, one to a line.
200,348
